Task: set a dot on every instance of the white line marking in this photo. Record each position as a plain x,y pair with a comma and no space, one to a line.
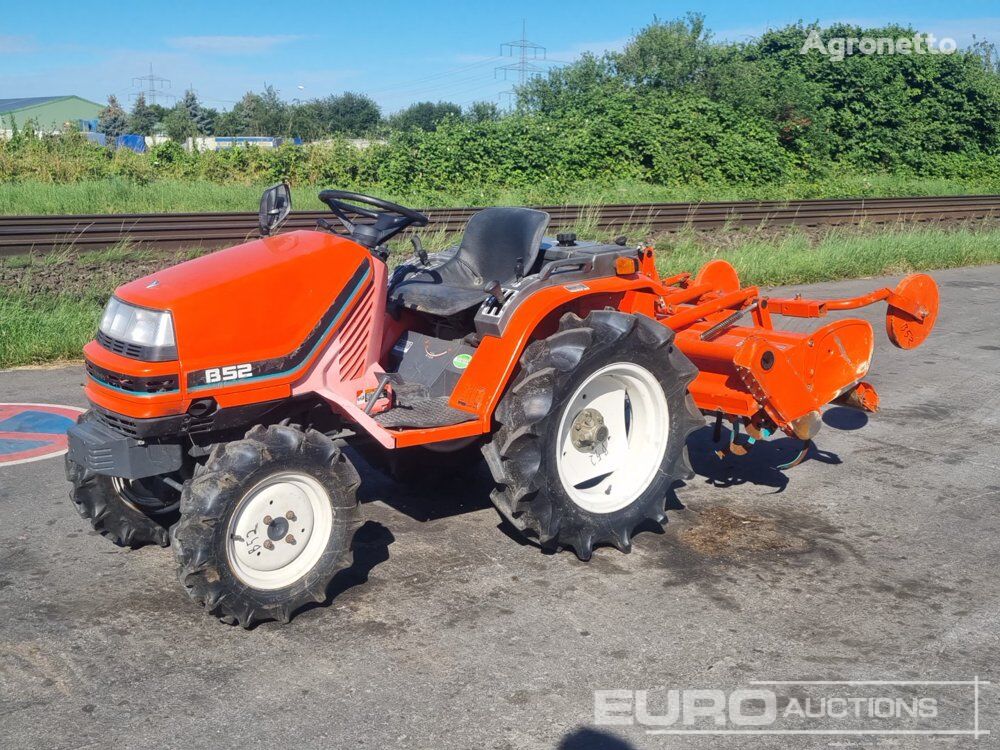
33,458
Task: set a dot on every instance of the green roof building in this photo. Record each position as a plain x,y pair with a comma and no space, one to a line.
49,112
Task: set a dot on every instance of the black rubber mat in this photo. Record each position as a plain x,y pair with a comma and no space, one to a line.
423,412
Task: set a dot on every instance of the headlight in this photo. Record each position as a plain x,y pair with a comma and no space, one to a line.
152,330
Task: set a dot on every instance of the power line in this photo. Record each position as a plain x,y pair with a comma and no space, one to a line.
465,89
526,51
155,86
409,85
442,86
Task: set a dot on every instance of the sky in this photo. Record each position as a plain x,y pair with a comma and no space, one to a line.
397,52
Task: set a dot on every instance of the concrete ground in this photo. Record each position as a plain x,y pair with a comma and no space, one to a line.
876,559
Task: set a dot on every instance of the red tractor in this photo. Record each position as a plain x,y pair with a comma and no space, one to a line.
222,388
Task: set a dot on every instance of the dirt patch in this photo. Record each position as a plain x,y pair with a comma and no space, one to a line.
56,364
723,533
81,275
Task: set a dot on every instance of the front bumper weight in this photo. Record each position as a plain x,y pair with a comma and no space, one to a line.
104,451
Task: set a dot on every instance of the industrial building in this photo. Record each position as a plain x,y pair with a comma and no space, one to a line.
50,113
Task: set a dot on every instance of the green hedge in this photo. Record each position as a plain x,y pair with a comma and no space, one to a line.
660,140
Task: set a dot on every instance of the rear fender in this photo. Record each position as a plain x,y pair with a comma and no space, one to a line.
496,358
490,369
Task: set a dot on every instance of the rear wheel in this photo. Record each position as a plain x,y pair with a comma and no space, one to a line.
611,437
266,524
593,432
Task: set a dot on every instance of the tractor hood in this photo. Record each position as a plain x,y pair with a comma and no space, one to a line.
255,302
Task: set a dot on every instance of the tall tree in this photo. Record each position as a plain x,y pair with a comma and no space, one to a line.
159,110
482,112
272,113
424,115
582,86
237,121
265,114
179,125
349,113
670,55
142,120
199,115
256,115
112,121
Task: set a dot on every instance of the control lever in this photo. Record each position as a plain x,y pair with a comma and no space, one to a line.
324,224
494,289
383,382
418,248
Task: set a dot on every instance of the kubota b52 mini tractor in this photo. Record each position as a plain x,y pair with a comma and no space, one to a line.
222,388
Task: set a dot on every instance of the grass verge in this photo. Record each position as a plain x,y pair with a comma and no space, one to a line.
49,306
797,258
165,196
44,328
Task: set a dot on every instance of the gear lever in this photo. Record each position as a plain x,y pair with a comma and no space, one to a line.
418,248
494,289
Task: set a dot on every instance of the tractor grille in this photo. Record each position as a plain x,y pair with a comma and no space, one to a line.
354,337
117,422
157,384
142,428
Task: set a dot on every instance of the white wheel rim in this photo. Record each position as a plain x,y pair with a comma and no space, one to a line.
609,476
273,555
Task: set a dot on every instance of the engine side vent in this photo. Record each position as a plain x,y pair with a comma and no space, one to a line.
354,337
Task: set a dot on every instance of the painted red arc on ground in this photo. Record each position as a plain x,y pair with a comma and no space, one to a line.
30,432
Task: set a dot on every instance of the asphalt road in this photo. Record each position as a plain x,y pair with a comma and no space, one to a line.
876,559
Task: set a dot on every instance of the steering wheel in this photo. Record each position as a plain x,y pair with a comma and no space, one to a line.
390,218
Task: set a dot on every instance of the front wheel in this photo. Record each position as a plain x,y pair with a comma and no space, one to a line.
131,513
266,524
593,432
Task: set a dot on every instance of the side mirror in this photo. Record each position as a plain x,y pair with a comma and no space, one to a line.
275,205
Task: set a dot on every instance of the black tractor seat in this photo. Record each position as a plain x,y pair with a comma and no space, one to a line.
499,245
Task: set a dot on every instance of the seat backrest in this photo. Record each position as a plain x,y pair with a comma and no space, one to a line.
500,241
